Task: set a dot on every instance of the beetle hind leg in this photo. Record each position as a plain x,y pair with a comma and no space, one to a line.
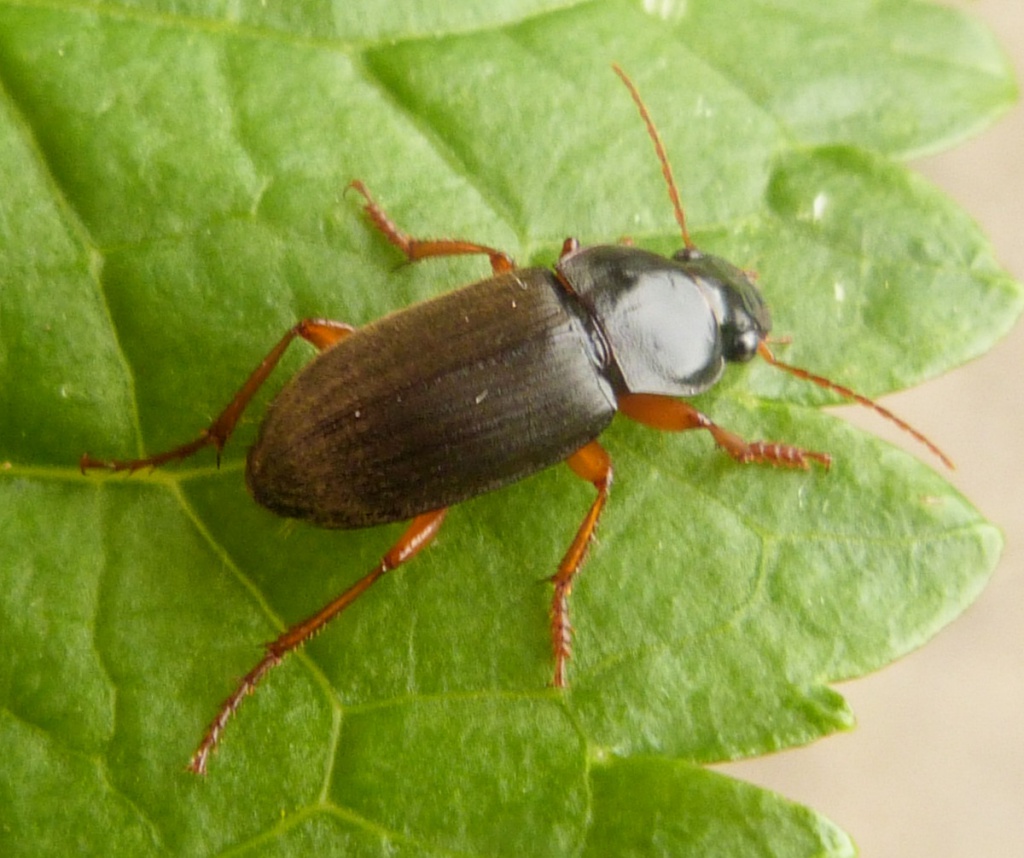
419,535
322,333
593,464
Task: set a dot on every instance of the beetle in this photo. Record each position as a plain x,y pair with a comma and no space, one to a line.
485,385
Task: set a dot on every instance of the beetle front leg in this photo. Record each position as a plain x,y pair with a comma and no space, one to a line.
675,415
593,464
417,537
416,249
322,333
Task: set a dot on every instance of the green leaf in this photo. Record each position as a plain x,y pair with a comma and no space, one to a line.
173,201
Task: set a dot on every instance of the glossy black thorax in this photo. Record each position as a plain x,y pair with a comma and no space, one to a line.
670,323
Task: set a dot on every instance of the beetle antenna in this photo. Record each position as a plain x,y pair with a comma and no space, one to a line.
859,398
659,148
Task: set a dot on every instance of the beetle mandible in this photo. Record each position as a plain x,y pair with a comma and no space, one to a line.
485,385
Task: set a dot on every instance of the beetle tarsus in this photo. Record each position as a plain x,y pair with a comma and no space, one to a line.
561,632
247,686
766,452
771,453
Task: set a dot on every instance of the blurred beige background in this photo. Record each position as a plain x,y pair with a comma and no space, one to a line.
936,765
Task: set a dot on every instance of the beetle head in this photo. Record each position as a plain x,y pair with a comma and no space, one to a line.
743,317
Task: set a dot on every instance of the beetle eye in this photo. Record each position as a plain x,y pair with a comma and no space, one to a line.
742,346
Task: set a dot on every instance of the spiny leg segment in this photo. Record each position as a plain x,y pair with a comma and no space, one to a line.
592,464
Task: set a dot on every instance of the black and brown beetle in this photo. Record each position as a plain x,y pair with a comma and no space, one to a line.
483,386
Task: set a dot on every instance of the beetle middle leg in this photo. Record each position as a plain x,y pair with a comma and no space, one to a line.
593,464
416,249
418,535
322,333
675,415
